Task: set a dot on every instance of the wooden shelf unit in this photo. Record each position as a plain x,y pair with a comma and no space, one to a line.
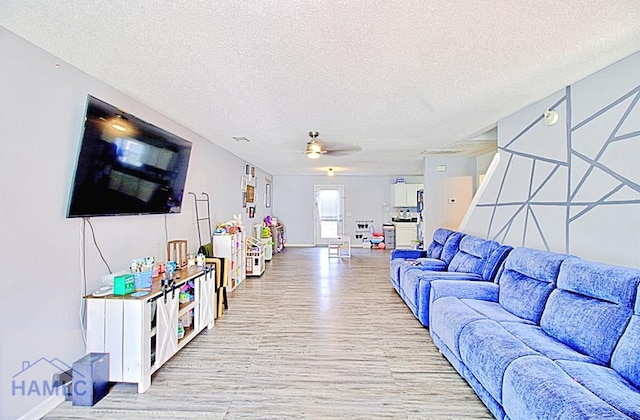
232,248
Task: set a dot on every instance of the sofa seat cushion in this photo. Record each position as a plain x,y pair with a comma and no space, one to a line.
431,264
607,384
448,317
487,350
407,274
493,311
415,288
535,338
535,387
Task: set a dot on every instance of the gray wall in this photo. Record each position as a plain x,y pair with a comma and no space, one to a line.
457,182
575,186
41,287
366,198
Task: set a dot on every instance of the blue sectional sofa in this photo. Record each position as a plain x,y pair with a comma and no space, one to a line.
456,257
436,257
554,337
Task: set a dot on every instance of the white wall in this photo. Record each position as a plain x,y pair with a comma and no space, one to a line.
41,287
366,198
572,187
458,182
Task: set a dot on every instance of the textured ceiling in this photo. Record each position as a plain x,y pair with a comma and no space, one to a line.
391,78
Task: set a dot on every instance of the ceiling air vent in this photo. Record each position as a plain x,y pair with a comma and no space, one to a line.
441,151
240,139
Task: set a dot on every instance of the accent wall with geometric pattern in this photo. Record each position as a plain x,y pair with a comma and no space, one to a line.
574,186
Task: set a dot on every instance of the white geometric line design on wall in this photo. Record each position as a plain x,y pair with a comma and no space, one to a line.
589,170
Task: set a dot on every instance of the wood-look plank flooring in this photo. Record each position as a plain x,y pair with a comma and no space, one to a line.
313,337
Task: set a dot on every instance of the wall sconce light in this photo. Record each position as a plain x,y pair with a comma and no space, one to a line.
550,117
330,172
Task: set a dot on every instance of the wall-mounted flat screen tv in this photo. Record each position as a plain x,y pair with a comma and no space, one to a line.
127,166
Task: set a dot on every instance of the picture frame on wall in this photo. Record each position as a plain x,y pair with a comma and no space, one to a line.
250,193
252,212
267,196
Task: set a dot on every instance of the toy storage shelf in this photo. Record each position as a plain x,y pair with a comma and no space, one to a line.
232,247
363,231
278,236
255,257
142,333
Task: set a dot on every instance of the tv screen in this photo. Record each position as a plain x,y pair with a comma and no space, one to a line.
127,166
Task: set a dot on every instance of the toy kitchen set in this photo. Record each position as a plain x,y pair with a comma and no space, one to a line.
406,222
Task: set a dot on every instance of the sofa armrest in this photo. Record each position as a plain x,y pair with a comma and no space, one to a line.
464,289
408,254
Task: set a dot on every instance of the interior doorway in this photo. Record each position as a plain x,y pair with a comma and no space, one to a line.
328,214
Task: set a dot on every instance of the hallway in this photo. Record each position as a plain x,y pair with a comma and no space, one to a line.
312,338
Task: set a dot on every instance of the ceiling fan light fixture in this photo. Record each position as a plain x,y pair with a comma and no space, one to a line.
330,172
314,148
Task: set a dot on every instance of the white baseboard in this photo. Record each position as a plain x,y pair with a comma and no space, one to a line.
353,245
44,408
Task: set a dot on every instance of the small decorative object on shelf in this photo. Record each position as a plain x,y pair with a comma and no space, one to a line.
278,233
177,251
142,269
229,243
255,257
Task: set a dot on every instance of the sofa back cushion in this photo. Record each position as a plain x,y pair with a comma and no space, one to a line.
473,255
451,247
591,306
527,279
625,358
444,245
440,236
495,262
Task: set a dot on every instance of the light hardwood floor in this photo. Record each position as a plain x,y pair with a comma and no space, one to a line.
312,338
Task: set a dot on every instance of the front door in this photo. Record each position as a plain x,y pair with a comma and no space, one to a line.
328,212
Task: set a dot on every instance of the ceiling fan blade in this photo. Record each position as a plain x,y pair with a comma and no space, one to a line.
341,149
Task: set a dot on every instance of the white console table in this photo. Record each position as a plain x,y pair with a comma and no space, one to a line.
141,333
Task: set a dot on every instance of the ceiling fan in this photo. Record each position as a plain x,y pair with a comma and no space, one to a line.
315,149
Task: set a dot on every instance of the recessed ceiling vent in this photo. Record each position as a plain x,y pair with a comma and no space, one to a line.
240,139
441,151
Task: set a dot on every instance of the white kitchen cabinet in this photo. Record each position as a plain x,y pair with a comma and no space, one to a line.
405,195
406,234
